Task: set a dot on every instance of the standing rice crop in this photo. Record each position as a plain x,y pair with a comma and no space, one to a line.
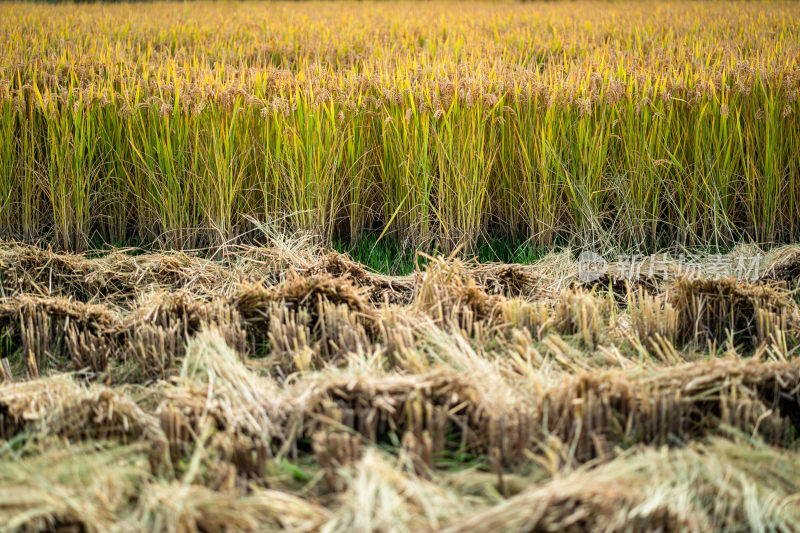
630,124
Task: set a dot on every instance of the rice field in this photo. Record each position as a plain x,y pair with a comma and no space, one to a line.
286,387
433,125
182,349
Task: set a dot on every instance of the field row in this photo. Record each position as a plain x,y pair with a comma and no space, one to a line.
621,125
691,174
289,386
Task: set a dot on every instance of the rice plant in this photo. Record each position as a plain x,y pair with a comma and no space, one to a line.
181,350
553,123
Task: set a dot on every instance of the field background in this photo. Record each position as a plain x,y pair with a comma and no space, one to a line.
429,125
181,350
